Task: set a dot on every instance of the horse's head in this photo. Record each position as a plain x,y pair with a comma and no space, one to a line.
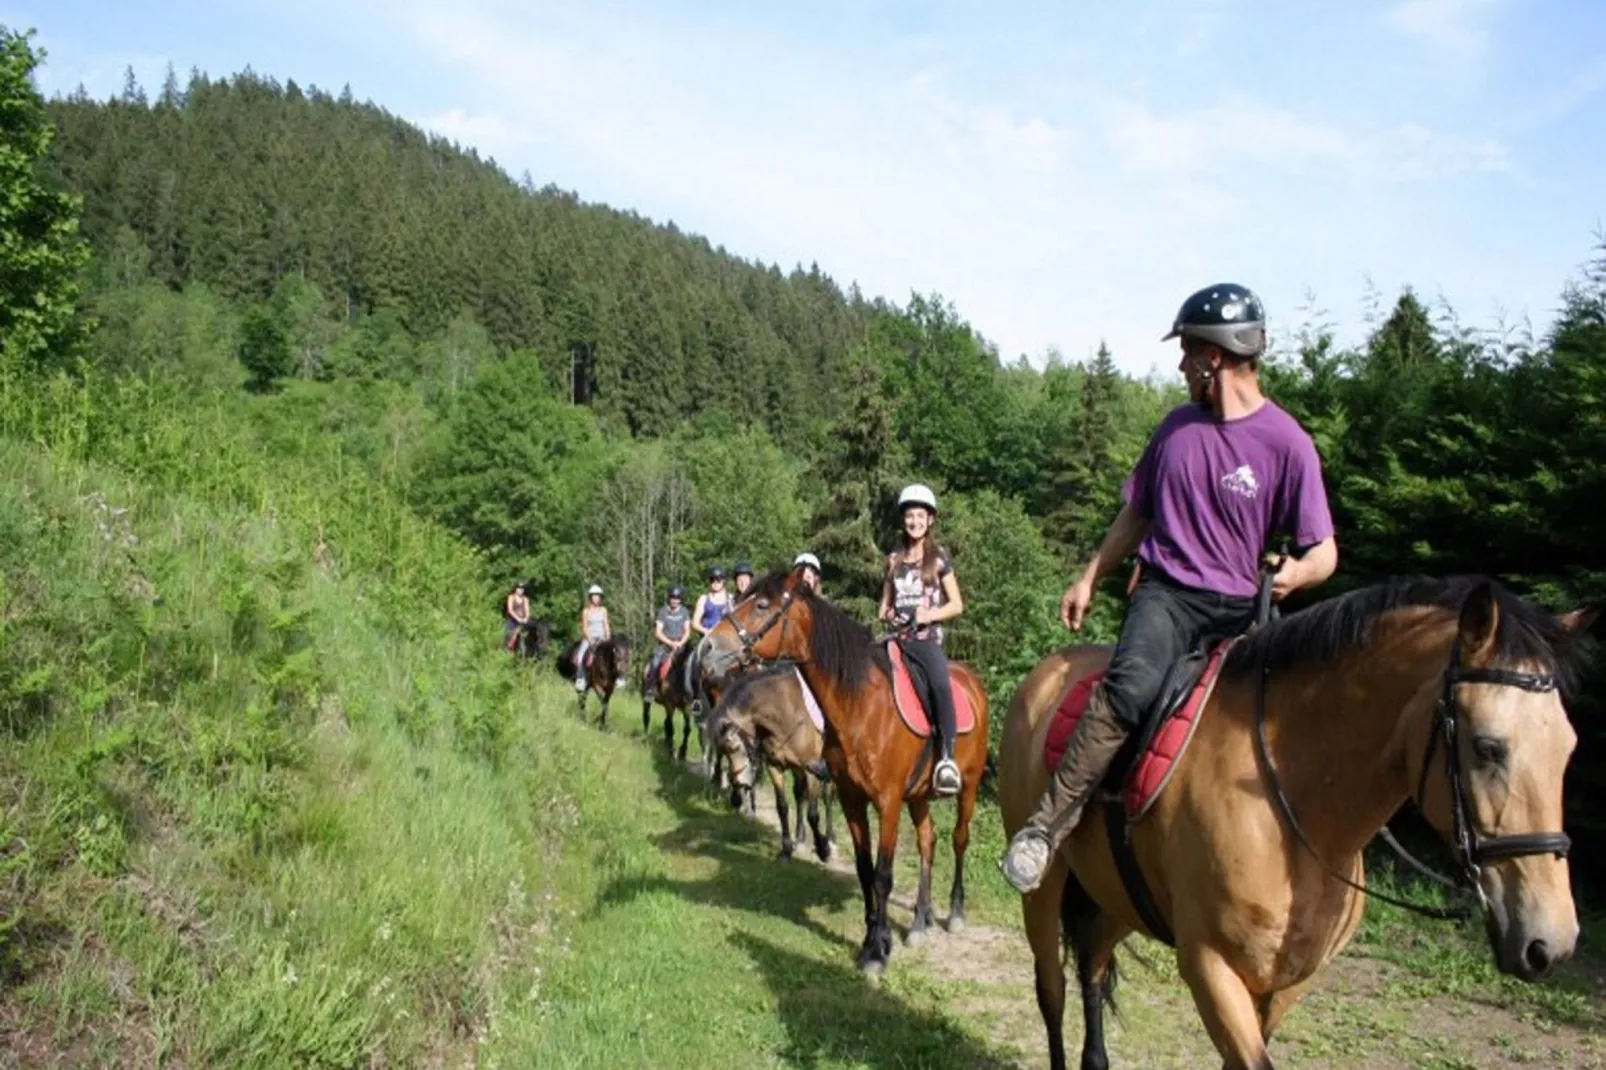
770,622
732,734
1491,776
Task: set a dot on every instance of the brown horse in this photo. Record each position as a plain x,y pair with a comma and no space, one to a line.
1441,691
671,694
607,663
765,712
873,758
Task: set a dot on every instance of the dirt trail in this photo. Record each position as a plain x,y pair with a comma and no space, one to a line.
1364,1012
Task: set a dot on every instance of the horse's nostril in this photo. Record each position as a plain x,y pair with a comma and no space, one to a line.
1536,956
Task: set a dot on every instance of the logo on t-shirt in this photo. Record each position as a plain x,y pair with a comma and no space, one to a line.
1241,481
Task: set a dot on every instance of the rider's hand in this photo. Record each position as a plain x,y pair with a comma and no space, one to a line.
889,614
1073,605
1286,581
922,615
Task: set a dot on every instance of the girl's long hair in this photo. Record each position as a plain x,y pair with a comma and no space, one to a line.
934,553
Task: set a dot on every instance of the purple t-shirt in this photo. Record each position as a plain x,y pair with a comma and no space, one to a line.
1216,492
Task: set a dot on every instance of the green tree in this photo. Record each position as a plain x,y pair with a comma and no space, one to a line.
264,350
41,253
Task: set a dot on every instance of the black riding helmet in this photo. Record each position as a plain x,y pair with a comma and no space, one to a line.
742,569
1225,315
677,592
717,572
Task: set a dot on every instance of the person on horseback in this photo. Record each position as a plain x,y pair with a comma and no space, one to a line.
1221,477
595,627
671,628
918,592
516,612
811,570
743,576
712,605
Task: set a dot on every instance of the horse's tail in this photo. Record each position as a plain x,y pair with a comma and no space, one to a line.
989,774
565,663
1078,915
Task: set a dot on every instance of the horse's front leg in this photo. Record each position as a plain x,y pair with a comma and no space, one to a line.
855,811
646,715
1226,1007
685,736
669,727
778,782
816,790
889,809
926,837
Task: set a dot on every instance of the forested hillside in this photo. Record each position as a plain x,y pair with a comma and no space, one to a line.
584,394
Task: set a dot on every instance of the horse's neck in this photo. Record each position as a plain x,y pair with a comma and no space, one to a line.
1342,735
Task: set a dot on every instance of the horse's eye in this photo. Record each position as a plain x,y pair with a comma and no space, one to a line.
1489,750
763,603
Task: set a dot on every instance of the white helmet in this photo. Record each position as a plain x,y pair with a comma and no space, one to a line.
917,494
594,589
808,559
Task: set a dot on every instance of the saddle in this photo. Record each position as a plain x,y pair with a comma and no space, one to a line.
1144,765
912,694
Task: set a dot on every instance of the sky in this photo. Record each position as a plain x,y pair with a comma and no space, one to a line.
1063,173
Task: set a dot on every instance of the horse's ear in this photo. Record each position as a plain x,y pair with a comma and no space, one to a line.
1578,620
1480,621
794,579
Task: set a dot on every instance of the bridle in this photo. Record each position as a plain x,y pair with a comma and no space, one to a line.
1472,850
750,639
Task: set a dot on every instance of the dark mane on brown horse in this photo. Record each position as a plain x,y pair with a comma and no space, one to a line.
1321,632
839,646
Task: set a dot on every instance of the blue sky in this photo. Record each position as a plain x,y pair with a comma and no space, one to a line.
1063,172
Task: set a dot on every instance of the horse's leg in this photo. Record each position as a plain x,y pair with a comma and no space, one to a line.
602,718
1041,908
1093,938
646,716
956,898
669,728
802,799
1226,1007
889,809
685,733
1273,1006
778,782
926,837
856,812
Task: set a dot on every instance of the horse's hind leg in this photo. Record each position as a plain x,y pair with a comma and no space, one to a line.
802,800
956,898
926,837
685,734
1092,938
646,716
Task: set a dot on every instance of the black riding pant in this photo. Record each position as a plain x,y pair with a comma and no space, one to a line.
1164,622
933,662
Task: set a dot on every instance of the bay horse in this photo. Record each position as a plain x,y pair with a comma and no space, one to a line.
1321,724
670,691
532,638
607,662
874,759
764,712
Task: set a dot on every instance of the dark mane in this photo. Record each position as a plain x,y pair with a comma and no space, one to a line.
1320,633
839,646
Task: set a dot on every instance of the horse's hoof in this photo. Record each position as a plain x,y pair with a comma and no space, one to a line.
915,937
823,851
956,923
873,969
785,855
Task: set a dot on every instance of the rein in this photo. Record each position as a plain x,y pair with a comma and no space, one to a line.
1472,850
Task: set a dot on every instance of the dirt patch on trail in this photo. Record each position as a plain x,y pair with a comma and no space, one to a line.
1363,1011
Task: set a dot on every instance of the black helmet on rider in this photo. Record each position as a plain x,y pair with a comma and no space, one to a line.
1224,315
716,573
677,592
742,569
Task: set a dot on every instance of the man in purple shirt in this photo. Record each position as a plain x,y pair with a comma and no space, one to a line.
1220,478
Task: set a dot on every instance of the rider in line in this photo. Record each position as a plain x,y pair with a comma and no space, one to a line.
811,570
516,612
919,590
672,629
743,575
712,605
1221,477
595,627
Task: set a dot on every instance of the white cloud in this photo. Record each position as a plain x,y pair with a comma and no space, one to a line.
1457,29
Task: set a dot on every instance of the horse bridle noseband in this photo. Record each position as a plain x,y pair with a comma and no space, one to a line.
1472,850
750,639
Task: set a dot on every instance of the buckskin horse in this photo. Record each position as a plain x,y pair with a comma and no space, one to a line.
874,757
670,691
1318,727
765,712
607,662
